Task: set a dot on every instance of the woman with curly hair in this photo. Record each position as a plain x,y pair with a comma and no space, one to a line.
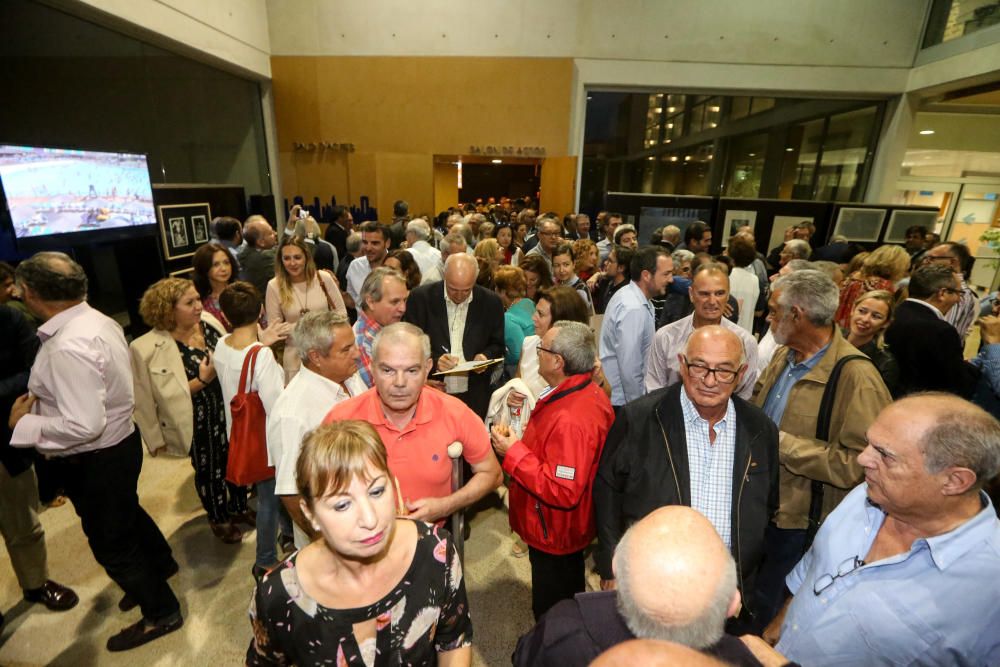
880,270
212,270
179,407
585,252
296,289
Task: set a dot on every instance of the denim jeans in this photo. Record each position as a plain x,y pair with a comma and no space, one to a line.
267,523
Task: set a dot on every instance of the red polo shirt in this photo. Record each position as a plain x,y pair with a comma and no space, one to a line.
418,453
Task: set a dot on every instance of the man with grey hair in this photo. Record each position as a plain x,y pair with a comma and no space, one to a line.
552,466
328,376
256,259
693,443
383,302
428,258
465,323
417,424
818,468
794,249
78,414
678,583
902,569
549,236
453,244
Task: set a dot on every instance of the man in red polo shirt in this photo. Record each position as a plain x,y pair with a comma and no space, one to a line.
417,423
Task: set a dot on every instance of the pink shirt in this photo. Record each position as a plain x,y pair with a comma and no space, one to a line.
82,381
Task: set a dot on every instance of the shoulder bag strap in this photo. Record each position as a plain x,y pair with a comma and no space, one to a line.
249,363
823,433
326,292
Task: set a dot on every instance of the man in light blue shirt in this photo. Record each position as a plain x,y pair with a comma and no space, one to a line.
902,571
629,325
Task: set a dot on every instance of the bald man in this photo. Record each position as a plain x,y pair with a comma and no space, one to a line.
693,443
677,583
256,259
652,653
465,323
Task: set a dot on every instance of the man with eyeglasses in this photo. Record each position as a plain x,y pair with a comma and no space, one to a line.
693,444
929,350
549,236
552,466
465,323
957,257
902,570
709,293
817,469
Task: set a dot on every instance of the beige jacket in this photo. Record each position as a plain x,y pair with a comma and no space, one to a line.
163,410
860,396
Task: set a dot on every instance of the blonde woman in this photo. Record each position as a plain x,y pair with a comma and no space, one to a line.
870,317
296,289
880,270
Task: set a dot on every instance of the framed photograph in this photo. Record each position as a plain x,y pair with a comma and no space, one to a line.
859,224
183,227
199,224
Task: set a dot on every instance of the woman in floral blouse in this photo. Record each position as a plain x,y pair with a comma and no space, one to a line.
373,588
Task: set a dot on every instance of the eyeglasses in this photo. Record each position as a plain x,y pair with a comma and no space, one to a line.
701,371
951,290
937,258
848,566
545,349
549,233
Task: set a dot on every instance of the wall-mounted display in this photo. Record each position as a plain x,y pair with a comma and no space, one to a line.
736,220
900,220
184,227
781,224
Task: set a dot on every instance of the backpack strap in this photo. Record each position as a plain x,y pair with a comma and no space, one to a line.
823,433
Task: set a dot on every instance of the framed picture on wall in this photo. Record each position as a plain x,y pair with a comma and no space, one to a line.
183,228
199,224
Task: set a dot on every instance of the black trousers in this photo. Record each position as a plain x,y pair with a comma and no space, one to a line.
554,578
125,541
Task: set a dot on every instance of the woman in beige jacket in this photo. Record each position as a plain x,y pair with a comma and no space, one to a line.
178,402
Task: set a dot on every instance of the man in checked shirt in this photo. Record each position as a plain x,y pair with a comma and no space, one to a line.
693,443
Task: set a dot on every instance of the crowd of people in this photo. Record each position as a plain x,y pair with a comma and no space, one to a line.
778,458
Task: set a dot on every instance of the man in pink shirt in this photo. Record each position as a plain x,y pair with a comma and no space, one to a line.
417,423
78,414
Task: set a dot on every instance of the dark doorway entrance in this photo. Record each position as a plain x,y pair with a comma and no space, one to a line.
498,180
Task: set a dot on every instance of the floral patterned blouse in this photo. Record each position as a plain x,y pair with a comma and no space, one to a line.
425,614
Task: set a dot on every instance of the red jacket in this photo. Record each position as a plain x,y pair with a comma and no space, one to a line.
553,467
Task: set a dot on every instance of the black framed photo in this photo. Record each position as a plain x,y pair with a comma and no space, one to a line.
183,227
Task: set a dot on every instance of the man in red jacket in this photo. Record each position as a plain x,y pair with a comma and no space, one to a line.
553,465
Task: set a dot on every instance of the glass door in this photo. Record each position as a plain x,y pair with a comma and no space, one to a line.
976,211
929,193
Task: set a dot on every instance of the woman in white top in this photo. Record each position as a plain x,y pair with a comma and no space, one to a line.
241,305
296,289
743,283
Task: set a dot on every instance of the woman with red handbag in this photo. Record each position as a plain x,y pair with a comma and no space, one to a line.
251,382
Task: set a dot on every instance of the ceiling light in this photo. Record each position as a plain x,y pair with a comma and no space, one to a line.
650,157
789,149
589,97
497,161
713,109
687,157
673,158
658,109
670,109
926,131
752,154
709,157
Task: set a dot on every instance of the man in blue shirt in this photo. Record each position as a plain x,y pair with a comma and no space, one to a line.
629,325
901,571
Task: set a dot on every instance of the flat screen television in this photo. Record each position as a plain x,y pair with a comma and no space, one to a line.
55,192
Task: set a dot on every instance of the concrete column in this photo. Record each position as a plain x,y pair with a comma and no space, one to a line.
892,143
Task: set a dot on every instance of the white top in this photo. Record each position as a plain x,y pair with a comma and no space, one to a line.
428,259
663,366
299,409
528,366
457,383
357,271
82,380
765,351
745,288
268,378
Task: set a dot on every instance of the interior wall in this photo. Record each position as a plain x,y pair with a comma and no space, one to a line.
397,113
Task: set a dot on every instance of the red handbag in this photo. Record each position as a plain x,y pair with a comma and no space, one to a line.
247,462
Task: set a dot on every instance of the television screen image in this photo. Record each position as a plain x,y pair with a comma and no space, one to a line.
59,191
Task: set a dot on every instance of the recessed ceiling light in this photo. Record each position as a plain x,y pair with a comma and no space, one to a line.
789,149
687,157
673,158
589,97
497,161
752,154
650,157
926,131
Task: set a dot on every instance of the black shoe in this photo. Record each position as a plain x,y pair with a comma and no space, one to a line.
128,603
53,596
144,632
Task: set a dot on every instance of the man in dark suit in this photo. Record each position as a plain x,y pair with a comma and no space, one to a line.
693,443
928,348
338,230
465,323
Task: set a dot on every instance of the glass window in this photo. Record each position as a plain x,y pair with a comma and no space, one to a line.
739,107
951,19
761,104
746,165
845,155
798,166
